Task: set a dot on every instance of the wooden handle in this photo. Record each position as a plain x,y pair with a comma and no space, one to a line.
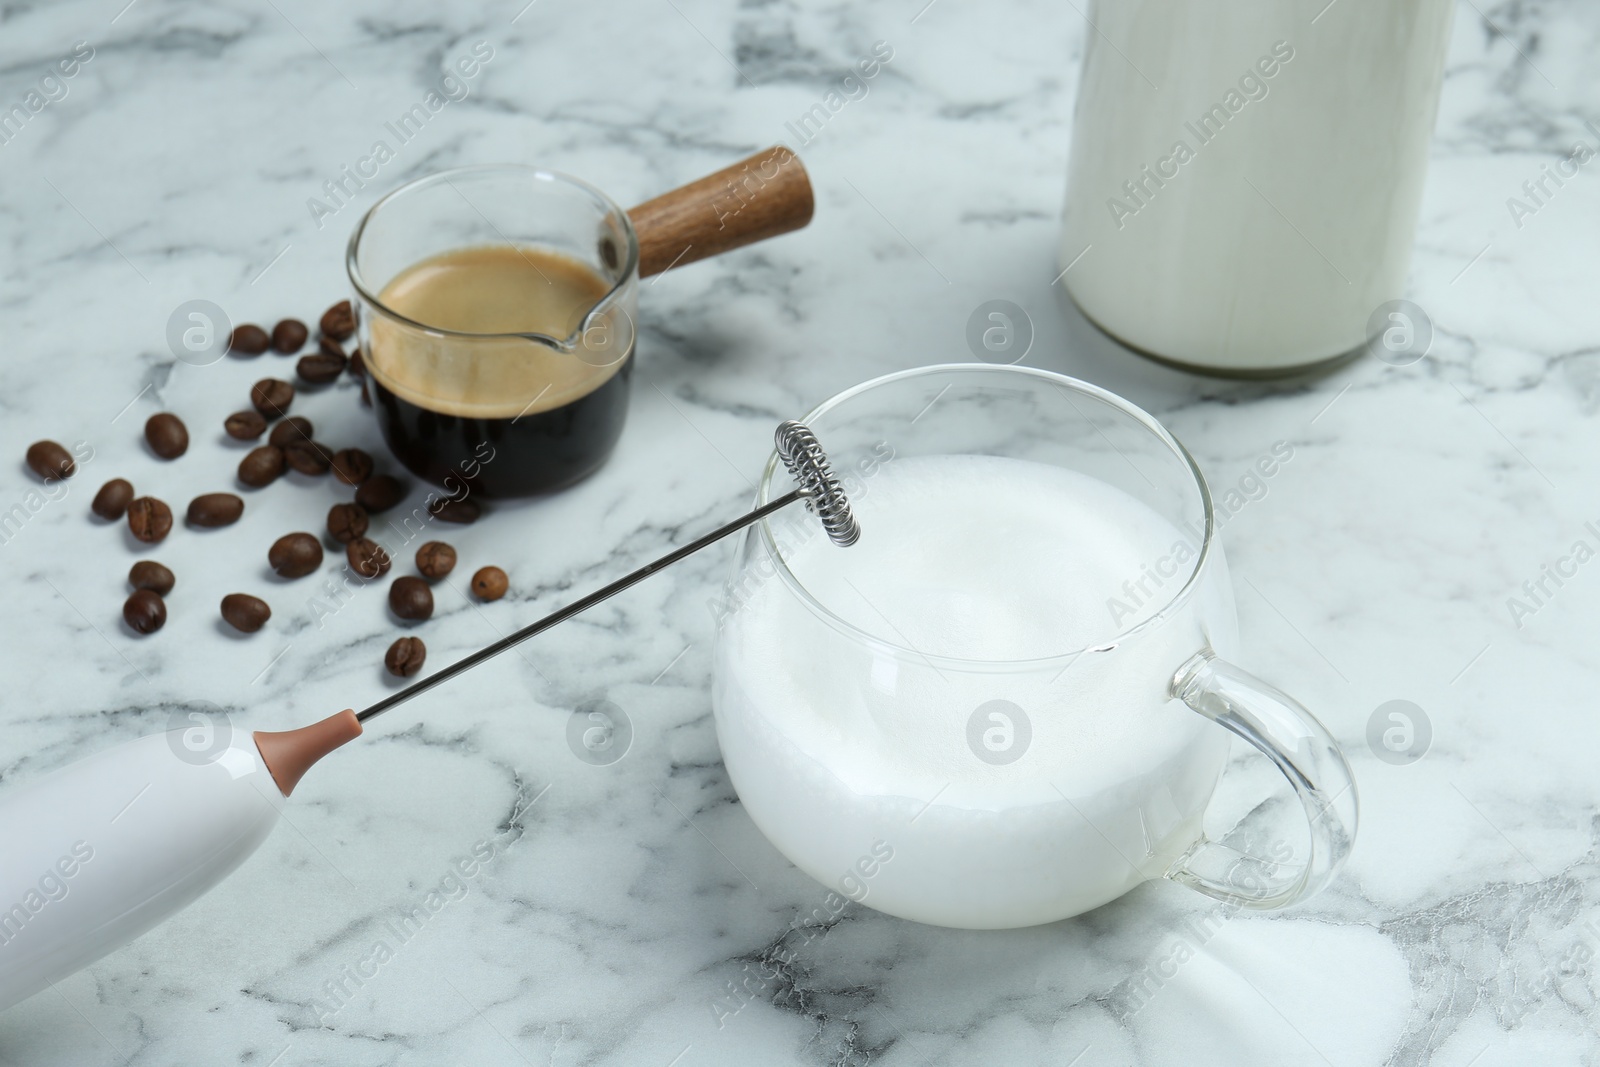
752,200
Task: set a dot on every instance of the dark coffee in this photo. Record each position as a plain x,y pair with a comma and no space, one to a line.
509,457
494,415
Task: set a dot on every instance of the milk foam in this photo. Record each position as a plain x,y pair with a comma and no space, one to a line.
983,557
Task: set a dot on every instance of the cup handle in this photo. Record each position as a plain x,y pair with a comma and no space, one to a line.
1289,735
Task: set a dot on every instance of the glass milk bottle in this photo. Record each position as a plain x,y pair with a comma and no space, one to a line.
1245,177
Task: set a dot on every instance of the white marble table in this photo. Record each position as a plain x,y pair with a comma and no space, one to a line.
622,900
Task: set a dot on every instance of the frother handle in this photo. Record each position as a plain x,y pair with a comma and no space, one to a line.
98,852
1301,747
756,198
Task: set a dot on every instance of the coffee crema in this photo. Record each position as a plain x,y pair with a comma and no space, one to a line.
548,416
492,289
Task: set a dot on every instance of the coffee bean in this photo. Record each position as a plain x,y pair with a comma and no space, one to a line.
380,493
410,598
435,560
111,502
167,435
148,574
149,519
329,347
261,466
245,613
248,340
352,466
405,657
320,369
290,431
358,366
215,509
346,522
289,336
245,425
144,611
490,583
464,510
308,457
367,558
50,461
339,321
295,555
272,397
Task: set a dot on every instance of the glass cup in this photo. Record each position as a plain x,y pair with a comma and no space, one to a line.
1008,792
501,414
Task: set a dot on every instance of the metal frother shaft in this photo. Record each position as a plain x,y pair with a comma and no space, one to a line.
819,488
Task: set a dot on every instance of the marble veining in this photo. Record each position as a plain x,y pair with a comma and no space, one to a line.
632,913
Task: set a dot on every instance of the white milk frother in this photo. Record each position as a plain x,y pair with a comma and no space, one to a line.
98,852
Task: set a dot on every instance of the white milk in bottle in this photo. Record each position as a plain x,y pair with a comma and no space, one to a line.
1245,177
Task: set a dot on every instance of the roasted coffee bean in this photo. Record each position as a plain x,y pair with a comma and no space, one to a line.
149,519
358,366
339,321
145,612
464,510
352,466
367,558
245,425
50,461
272,397
248,340
490,583
346,522
435,560
290,431
380,493
289,336
319,368
215,509
167,435
329,347
244,612
295,555
308,457
261,466
405,657
111,502
148,574
410,598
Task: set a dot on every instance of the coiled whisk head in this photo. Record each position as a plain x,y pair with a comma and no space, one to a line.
824,496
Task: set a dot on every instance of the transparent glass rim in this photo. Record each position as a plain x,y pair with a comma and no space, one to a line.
764,494
627,276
